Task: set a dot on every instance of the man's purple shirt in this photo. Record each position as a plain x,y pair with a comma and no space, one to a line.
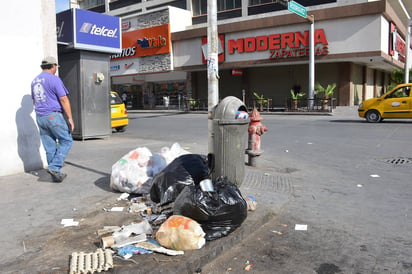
46,89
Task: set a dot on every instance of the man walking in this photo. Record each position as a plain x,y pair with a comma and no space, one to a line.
50,102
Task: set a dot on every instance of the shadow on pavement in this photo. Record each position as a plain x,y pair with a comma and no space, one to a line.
42,175
104,183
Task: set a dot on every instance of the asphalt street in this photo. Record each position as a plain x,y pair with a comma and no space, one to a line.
347,180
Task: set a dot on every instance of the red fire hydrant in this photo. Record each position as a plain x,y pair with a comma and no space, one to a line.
256,129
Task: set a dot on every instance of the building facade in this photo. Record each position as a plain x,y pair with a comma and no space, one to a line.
264,49
20,140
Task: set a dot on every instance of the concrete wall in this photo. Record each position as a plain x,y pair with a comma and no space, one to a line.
24,43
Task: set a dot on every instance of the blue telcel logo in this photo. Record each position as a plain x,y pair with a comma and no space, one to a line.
93,29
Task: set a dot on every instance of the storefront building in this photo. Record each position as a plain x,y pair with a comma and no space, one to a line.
144,69
356,47
264,49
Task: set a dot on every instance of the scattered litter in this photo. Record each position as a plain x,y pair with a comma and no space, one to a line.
107,230
130,250
142,227
247,268
301,227
310,143
251,203
159,249
91,262
69,222
277,232
128,256
284,225
286,150
107,242
229,269
359,185
206,185
375,176
117,208
137,207
267,174
123,197
129,241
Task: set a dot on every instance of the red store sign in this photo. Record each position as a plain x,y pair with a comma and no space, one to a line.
145,42
283,45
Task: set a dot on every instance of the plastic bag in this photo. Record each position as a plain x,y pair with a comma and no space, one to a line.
130,172
185,170
142,227
135,170
219,212
169,154
180,233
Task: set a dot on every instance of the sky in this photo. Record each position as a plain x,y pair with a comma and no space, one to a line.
62,5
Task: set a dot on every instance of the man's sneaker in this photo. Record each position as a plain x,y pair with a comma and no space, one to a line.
57,176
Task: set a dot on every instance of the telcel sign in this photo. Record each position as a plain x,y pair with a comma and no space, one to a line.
89,30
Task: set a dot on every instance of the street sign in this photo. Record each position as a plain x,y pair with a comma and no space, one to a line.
297,8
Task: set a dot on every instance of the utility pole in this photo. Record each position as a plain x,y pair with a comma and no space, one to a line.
311,61
407,57
212,68
408,41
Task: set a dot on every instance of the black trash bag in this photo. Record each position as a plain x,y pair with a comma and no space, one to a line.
219,212
185,170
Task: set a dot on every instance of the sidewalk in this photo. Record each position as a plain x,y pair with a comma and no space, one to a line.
33,239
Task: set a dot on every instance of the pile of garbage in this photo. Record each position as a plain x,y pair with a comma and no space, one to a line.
180,206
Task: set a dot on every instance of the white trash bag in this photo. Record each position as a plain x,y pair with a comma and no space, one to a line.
134,172
131,171
169,154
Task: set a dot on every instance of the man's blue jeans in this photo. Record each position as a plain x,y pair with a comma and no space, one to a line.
56,138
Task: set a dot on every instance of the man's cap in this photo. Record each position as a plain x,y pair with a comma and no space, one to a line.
49,60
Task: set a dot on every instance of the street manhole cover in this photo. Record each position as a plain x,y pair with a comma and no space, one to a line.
398,161
268,182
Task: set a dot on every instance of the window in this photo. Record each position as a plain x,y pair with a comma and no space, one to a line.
200,6
223,5
259,2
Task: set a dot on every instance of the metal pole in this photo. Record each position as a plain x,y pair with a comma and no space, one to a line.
212,67
407,57
408,30
311,61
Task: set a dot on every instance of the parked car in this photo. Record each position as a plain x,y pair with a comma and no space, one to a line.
119,118
395,104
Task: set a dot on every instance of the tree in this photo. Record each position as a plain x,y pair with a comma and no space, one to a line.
397,77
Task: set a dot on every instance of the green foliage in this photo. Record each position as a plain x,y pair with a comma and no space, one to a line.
193,102
397,77
297,96
260,98
325,92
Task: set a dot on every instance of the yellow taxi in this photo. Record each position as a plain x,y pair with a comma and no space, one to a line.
395,104
119,118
